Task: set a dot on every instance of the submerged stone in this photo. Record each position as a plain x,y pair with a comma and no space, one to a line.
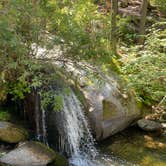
32,154
11,133
149,125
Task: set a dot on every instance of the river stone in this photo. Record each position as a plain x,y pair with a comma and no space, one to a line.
149,125
29,154
11,133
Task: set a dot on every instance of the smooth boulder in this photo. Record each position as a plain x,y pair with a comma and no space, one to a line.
149,125
29,154
110,105
11,133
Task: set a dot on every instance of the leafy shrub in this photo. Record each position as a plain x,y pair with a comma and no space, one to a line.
161,4
146,69
126,30
82,31
19,28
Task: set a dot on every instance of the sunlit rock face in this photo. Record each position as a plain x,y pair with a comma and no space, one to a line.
110,107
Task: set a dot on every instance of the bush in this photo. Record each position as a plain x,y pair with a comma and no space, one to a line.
146,69
161,4
19,28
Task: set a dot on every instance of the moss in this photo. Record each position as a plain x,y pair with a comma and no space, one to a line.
59,160
80,95
109,110
12,133
5,116
44,147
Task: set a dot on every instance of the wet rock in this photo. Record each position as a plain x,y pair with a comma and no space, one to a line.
31,154
11,133
149,125
110,108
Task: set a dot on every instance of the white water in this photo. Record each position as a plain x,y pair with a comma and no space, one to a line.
44,128
37,119
40,118
77,140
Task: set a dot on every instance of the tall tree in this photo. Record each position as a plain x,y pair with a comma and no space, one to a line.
114,12
143,21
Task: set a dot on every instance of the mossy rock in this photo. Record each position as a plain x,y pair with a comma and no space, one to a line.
59,160
109,110
5,116
11,133
33,153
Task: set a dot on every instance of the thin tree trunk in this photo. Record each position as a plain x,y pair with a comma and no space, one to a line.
114,12
143,21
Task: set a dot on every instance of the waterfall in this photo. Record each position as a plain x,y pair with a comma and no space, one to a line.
44,129
40,120
75,138
37,116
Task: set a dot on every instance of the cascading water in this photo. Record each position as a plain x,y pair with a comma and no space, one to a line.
40,120
37,118
44,129
77,135
76,139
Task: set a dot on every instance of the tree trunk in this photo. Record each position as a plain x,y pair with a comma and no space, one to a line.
114,12
143,21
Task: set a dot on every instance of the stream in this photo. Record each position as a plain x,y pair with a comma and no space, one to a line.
131,147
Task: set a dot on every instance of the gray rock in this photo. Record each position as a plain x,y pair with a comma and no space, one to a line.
110,107
29,154
11,133
149,125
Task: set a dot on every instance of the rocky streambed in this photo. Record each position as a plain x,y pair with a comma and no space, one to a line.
133,146
137,147
17,150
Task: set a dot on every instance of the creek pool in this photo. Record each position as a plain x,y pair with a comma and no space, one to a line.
137,147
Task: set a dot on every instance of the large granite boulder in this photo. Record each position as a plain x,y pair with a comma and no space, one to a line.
11,133
110,106
32,154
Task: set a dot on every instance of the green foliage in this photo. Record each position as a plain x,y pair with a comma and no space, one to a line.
81,29
20,26
77,26
52,100
83,32
58,103
146,69
4,116
126,30
161,4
